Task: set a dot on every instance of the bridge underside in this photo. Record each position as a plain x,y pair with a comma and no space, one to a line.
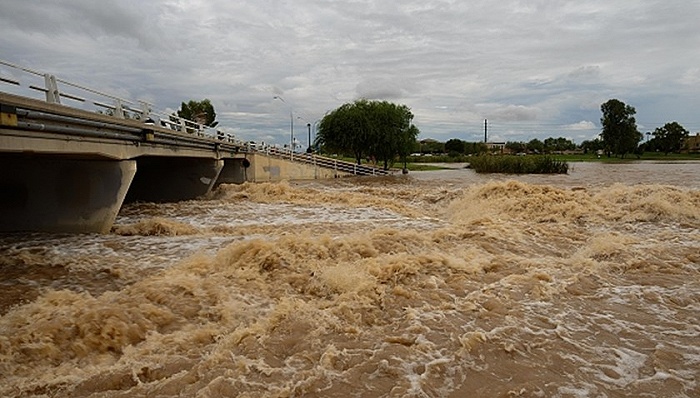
68,194
39,193
173,179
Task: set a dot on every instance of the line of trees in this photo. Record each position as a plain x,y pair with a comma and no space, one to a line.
619,137
456,147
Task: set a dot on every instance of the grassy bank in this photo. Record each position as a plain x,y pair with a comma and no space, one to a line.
518,164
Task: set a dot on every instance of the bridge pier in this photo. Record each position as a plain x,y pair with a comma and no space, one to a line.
55,194
235,171
164,179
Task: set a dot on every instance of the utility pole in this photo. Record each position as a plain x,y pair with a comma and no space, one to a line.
486,129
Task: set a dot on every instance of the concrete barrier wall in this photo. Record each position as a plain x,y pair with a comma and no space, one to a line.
267,168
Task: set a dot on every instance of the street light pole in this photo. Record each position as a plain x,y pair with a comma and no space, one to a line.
291,127
291,131
308,125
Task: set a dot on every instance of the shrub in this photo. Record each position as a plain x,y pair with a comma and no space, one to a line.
518,165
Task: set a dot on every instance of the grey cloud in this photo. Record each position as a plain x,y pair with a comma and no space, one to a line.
126,19
530,66
380,89
511,113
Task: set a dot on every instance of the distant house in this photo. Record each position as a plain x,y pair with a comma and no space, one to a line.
692,144
496,146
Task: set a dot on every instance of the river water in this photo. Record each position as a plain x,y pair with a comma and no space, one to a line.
436,284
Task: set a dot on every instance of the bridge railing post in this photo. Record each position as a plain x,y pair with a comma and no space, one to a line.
145,110
118,109
53,96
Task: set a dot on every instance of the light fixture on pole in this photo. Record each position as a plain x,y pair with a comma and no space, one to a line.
291,126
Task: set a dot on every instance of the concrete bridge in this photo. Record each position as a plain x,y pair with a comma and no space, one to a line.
66,169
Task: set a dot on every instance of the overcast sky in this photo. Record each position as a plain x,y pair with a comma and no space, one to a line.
533,68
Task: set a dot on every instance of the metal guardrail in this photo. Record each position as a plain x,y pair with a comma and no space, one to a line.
23,114
55,89
322,161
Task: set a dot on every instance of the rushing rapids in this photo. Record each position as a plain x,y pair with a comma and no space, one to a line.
439,284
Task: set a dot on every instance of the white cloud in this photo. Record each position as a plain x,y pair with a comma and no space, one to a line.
582,125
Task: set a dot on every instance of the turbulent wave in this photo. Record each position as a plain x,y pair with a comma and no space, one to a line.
496,289
155,226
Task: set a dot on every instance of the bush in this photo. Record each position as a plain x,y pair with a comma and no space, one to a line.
518,165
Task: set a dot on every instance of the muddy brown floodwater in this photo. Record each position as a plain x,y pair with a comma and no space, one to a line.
435,284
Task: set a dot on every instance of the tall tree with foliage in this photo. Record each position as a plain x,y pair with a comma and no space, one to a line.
670,137
379,129
345,130
201,112
620,135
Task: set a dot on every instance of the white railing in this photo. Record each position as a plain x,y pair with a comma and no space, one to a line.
316,160
23,81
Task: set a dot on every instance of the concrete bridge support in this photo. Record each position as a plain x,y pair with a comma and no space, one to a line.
235,171
58,194
165,179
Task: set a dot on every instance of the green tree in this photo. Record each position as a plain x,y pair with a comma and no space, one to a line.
670,137
558,144
201,112
391,131
476,147
432,146
344,130
535,146
516,146
619,135
369,128
592,145
455,145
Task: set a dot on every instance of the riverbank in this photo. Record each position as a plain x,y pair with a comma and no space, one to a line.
447,162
